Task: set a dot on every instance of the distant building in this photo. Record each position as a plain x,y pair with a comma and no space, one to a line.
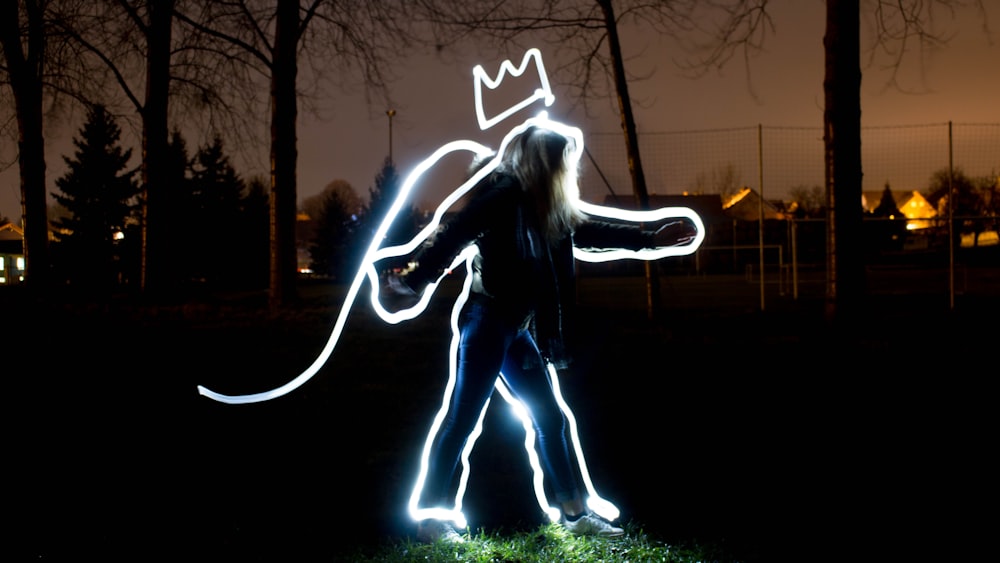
746,205
11,254
917,210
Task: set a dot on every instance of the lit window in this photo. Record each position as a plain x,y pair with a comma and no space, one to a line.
20,263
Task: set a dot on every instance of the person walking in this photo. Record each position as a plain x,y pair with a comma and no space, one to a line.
524,220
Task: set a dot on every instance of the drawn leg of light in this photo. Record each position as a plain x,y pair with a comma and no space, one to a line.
440,513
521,411
599,505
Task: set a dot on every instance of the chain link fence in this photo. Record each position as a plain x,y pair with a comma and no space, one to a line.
786,258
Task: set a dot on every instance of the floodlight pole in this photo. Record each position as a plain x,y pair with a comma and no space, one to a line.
391,113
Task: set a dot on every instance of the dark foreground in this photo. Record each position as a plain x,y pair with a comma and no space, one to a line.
777,435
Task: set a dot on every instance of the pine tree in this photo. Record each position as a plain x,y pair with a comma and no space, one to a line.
380,199
216,191
99,193
253,249
887,229
176,203
335,247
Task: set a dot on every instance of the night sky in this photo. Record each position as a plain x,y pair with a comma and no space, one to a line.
782,87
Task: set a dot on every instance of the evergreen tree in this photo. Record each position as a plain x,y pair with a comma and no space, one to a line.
99,194
216,191
176,204
252,250
887,205
887,224
380,199
335,248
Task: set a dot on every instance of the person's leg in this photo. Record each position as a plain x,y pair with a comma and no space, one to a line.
526,375
481,349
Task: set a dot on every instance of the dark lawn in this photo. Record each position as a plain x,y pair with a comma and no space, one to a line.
775,435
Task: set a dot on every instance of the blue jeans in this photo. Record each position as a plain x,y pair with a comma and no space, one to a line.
493,344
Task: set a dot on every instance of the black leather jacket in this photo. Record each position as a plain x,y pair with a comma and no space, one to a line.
515,268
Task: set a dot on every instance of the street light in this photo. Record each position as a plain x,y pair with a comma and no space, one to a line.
391,113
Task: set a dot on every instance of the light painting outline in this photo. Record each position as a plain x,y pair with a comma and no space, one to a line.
375,253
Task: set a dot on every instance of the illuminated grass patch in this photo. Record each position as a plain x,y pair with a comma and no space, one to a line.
545,544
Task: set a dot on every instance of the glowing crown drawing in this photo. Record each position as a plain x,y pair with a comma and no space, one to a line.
543,92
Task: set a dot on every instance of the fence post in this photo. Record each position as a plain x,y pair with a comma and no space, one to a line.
760,207
951,223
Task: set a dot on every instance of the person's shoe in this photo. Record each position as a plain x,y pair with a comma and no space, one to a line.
591,524
430,531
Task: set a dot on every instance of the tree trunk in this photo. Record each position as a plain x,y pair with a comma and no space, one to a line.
842,155
155,135
25,74
631,146
284,112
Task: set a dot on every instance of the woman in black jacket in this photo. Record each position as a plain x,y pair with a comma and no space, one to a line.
525,221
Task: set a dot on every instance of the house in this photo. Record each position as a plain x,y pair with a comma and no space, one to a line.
746,205
917,210
11,254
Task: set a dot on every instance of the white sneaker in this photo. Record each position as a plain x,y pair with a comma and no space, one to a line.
591,524
430,531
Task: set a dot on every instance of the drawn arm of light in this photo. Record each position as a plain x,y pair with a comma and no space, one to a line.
650,216
376,254
480,77
367,268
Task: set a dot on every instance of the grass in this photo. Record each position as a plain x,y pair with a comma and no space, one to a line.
547,543
731,435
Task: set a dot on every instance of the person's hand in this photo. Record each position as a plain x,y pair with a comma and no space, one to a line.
395,295
674,233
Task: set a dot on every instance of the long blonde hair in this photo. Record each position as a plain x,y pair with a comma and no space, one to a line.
540,160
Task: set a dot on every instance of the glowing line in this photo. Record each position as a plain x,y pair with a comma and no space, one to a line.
368,272
371,256
595,502
521,411
441,513
650,216
480,77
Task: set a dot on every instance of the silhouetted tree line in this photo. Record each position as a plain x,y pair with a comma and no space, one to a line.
218,237
344,228
220,63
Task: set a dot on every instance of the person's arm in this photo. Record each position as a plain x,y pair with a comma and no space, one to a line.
493,199
596,233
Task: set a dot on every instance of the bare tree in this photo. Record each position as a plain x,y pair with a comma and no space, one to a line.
39,68
358,40
842,156
24,63
896,25
724,180
117,53
584,36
